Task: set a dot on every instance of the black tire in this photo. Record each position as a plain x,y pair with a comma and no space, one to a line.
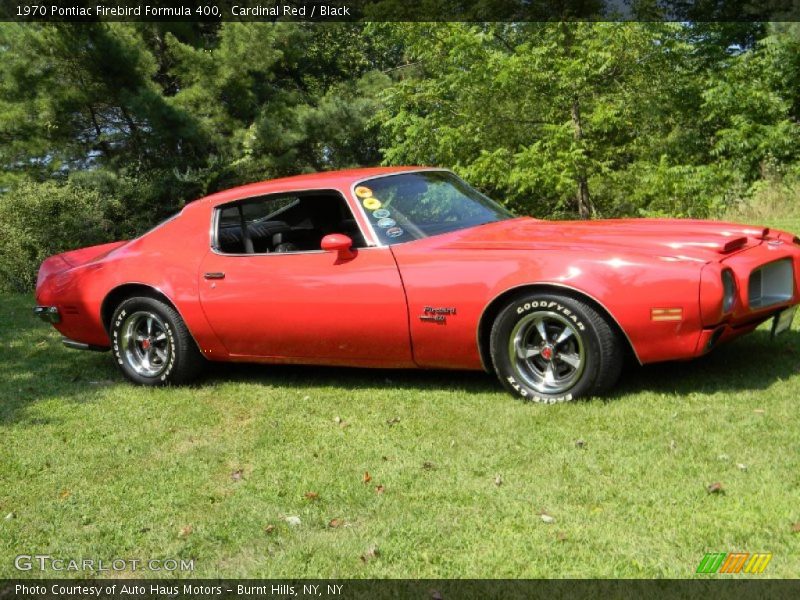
587,361
152,345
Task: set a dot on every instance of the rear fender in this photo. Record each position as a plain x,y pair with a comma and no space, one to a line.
74,258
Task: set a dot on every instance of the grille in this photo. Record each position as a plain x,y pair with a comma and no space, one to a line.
771,284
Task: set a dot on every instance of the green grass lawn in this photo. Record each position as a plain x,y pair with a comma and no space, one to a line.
93,467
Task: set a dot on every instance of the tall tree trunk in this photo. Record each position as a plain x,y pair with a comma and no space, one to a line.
582,197
134,130
103,144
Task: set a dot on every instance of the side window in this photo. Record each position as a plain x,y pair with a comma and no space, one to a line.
283,223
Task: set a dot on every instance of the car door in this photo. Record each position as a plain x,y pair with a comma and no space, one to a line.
307,305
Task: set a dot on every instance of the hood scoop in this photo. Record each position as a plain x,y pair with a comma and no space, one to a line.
734,244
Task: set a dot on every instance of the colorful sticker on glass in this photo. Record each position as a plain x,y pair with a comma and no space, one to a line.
372,203
381,213
363,191
394,232
386,222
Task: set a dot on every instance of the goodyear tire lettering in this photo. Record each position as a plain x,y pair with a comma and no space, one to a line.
527,306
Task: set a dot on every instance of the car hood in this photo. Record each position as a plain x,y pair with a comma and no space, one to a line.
677,238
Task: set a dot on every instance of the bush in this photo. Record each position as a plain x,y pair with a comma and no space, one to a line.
661,189
38,220
132,205
775,197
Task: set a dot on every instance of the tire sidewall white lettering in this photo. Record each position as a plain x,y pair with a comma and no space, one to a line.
552,306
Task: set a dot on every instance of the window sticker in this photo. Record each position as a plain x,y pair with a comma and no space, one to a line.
372,203
381,213
394,232
386,223
363,191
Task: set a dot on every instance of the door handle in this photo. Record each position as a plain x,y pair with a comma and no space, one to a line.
217,275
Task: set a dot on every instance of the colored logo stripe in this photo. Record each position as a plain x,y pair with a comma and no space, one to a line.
711,562
734,562
758,562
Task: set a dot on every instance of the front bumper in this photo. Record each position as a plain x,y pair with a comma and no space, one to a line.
767,282
48,314
712,337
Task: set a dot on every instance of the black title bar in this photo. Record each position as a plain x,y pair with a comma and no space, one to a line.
398,10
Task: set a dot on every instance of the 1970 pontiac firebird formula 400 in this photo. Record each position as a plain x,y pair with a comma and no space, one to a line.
412,268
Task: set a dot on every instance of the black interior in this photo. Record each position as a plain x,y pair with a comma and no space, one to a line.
295,223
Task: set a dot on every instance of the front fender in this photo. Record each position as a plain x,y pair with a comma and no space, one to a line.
628,287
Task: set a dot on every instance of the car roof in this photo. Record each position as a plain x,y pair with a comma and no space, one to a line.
308,181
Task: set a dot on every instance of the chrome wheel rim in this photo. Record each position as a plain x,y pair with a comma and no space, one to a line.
145,343
547,352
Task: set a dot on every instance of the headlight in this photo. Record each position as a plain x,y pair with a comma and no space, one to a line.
729,291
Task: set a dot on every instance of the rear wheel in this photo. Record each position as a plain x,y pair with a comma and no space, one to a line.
152,345
553,348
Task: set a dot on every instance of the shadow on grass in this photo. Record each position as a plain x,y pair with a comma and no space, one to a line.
39,369
347,378
751,363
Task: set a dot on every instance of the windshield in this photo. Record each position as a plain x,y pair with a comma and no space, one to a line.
411,206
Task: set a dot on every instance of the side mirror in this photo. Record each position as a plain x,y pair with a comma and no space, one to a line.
338,242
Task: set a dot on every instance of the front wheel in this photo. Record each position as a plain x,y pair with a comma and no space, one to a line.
553,348
152,345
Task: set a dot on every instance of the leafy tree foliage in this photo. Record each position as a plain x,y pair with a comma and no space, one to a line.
583,118
209,107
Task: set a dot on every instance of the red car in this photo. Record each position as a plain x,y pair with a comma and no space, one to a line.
412,268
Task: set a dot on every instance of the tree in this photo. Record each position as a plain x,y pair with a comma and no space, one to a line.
574,118
753,104
78,96
193,106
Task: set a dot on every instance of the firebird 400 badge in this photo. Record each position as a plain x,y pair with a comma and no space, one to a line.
437,314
